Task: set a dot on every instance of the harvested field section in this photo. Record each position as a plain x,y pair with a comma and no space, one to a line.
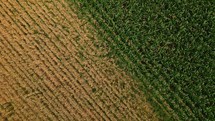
53,68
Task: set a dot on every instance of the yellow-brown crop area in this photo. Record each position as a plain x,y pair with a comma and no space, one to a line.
53,68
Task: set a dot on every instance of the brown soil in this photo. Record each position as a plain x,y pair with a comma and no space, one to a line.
53,68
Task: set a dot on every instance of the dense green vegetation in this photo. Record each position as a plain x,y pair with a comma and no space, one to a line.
168,45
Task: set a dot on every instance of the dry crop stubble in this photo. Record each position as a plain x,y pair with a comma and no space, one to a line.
50,68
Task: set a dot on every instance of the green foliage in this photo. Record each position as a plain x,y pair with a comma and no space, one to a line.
166,44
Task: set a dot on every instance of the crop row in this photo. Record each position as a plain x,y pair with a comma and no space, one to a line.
46,59
156,52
